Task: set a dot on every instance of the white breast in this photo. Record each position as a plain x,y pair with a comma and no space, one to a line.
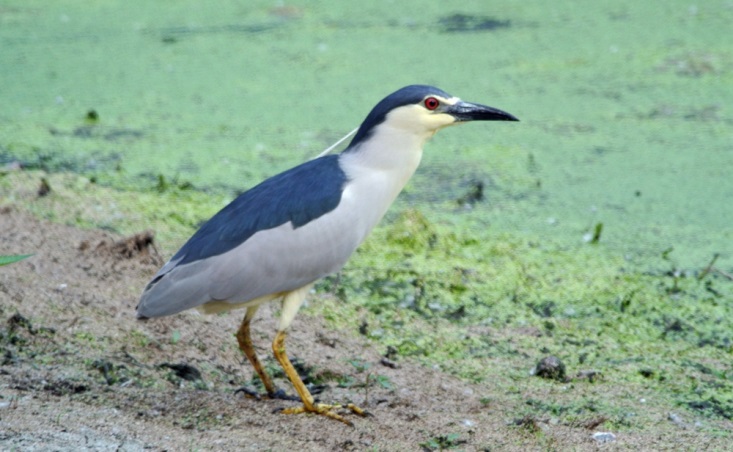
378,173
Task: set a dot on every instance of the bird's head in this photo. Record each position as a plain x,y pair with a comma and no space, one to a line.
423,110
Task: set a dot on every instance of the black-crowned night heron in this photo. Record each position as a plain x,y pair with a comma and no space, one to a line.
275,240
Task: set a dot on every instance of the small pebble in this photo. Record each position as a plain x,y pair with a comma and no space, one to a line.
677,420
549,367
604,437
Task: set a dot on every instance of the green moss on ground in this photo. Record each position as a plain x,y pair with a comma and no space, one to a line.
485,306
488,306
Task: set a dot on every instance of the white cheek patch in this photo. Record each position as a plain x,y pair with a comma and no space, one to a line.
437,121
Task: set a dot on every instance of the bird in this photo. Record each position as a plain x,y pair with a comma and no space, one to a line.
275,240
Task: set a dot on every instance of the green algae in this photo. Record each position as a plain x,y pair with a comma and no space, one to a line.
470,301
172,212
432,273
622,105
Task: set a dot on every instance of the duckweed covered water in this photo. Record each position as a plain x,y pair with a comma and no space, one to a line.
585,230
623,105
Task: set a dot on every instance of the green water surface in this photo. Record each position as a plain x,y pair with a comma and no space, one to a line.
624,105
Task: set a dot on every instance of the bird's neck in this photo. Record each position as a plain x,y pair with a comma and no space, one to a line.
378,171
389,150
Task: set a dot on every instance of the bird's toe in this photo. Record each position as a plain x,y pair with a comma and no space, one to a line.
328,411
280,394
248,392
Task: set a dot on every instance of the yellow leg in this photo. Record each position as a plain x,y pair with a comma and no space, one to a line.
309,405
245,344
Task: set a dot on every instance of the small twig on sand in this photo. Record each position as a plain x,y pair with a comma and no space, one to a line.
727,275
705,272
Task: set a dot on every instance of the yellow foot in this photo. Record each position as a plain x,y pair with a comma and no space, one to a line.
327,410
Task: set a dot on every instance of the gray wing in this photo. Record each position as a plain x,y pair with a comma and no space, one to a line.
271,261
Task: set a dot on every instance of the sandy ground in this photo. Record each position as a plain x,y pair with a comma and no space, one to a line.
79,372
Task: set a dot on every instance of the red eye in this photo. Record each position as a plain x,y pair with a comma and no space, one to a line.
431,103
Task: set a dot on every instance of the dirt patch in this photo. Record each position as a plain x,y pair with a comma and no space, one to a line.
80,373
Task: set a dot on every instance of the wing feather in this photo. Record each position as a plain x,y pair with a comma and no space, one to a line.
245,252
